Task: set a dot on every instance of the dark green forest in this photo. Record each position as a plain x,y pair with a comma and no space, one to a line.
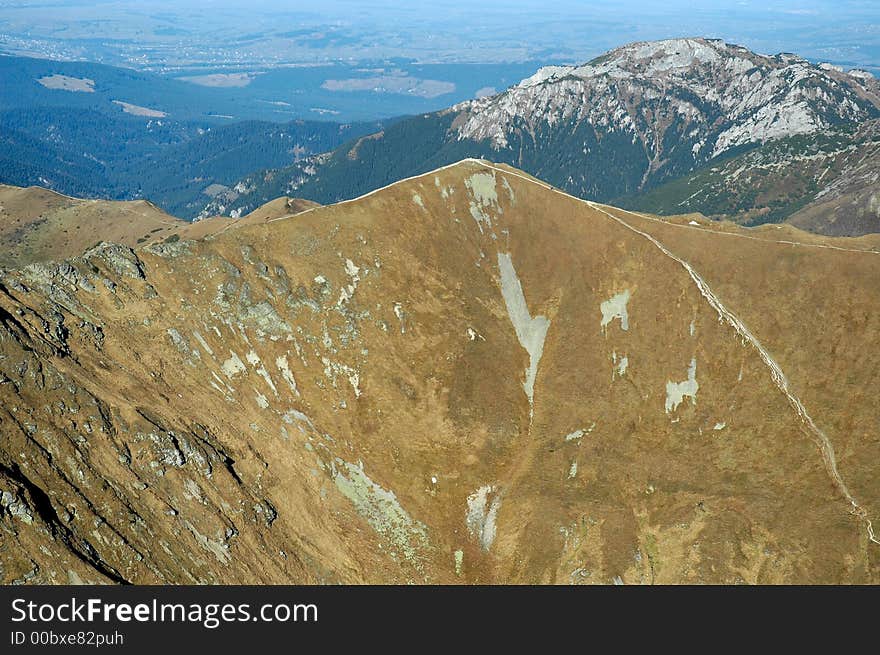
616,166
88,153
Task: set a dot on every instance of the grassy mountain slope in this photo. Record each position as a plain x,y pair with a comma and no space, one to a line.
464,377
38,225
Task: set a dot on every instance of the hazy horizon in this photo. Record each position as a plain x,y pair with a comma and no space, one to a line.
160,35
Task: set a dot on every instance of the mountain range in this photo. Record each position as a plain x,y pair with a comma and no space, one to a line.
38,225
613,129
685,125
615,324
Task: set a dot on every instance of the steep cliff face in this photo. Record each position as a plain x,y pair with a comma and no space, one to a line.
465,377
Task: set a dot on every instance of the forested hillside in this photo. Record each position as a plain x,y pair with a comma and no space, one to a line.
87,153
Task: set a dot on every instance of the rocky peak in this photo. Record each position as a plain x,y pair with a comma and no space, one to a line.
712,95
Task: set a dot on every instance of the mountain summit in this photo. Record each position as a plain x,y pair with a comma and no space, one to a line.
676,98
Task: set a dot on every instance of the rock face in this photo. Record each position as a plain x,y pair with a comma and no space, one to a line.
465,377
696,96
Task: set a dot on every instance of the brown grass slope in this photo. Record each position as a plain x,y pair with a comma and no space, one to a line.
339,396
37,224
